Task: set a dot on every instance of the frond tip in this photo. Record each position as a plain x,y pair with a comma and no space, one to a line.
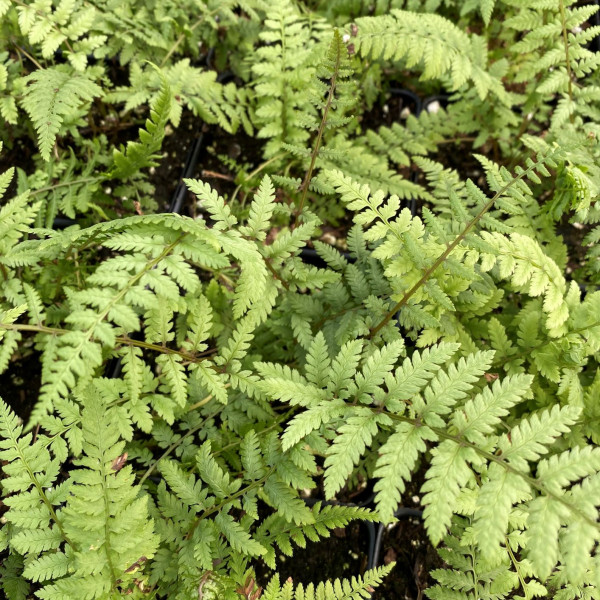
52,95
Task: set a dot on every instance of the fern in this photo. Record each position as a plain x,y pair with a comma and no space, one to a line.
138,155
66,24
466,440
52,95
203,376
336,590
84,534
430,42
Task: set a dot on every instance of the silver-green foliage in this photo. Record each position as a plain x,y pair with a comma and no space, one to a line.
455,343
477,468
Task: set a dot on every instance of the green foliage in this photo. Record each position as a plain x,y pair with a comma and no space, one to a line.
204,378
336,590
431,43
140,154
51,96
84,535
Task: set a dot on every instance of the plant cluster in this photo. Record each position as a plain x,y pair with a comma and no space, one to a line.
200,379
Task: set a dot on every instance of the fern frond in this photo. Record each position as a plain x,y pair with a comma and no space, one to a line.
261,211
142,154
105,518
353,589
354,436
429,42
51,95
397,458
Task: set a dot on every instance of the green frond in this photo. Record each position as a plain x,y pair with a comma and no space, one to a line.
318,361
52,95
447,388
311,420
528,440
448,474
339,589
237,536
286,501
105,518
480,415
213,475
426,41
261,211
397,459
352,439
138,155
185,486
16,216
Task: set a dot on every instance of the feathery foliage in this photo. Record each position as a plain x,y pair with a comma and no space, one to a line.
384,288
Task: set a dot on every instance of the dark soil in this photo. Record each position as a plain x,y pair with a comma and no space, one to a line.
573,236
18,154
406,544
175,148
221,156
20,383
343,554
393,107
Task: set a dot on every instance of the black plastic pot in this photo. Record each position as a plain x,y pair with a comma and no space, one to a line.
401,513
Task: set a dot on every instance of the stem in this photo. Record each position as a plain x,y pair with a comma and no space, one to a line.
182,37
528,351
255,172
459,238
490,457
273,425
275,274
204,400
456,140
107,529
215,175
41,493
315,152
174,445
218,507
124,340
474,571
25,53
64,184
563,18
517,569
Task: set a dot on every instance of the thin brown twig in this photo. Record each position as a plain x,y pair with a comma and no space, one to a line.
216,175
459,238
313,159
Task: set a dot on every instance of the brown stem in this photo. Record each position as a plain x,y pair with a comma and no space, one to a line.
121,339
459,238
275,274
498,459
25,53
563,18
216,175
315,152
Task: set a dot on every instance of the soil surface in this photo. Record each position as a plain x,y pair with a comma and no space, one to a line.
406,544
20,383
343,554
